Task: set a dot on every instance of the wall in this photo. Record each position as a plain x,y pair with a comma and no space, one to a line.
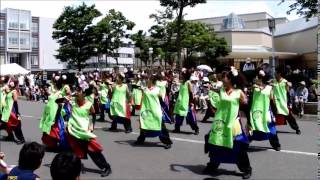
47,46
246,38
299,42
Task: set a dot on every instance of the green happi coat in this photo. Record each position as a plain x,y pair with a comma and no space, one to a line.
162,85
259,113
79,122
137,94
182,105
49,114
151,113
6,111
280,96
118,104
225,125
103,93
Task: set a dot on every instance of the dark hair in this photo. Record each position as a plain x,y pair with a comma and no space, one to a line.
264,78
238,81
186,75
281,71
58,83
30,156
65,166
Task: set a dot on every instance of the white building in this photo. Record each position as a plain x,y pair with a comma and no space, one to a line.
27,41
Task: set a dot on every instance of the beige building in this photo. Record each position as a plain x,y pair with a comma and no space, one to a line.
248,35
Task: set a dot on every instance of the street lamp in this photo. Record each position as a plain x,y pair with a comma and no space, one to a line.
97,58
150,54
272,28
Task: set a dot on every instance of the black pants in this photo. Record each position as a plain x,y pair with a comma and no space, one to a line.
17,131
209,113
243,162
292,121
102,110
179,121
164,137
274,141
133,110
126,123
99,159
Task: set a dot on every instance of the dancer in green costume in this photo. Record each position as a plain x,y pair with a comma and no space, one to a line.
82,140
184,107
280,108
10,117
214,98
227,141
49,122
103,92
119,107
136,94
262,123
151,124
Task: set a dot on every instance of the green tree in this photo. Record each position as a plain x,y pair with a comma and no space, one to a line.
143,45
111,31
75,34
305,8
179,6
161,38
197,38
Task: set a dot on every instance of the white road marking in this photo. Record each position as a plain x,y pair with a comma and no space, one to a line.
202,142
27,116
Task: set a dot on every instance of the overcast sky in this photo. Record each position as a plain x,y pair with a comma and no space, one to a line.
139,10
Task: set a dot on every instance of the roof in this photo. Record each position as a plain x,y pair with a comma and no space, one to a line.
296,26
266,31
238,15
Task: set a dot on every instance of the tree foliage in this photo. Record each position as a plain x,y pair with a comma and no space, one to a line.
111,31
178,6
75,34
305,8
143,45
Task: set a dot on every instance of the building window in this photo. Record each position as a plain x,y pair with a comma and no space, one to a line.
1,41
13,39
2,24
13,19
24,20
34,42
25,40
1,59
34,60
35,27
123,55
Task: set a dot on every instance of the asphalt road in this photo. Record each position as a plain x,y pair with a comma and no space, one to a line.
186,159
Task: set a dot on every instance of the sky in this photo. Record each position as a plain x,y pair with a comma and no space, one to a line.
138,11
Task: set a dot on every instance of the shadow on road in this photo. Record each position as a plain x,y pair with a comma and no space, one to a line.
286,132
145,144
197,169
257,149
182,132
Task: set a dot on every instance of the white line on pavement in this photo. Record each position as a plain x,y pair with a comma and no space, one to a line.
27,116
202,142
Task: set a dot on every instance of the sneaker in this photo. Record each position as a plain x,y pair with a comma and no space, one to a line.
176,131
18,142
105,172
167,146
298,132
278,148
246,175
113,129
128,131
196,132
